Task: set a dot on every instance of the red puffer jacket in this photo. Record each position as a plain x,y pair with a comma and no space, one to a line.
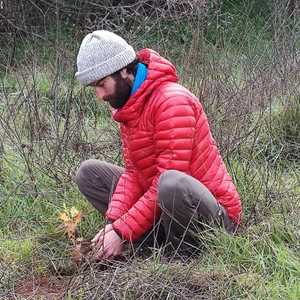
164,127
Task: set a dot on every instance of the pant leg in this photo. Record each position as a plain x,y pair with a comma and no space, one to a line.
97,181
187,205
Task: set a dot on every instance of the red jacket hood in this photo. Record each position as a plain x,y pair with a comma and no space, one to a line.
159,70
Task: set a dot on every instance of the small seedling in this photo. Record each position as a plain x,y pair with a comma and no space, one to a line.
71,218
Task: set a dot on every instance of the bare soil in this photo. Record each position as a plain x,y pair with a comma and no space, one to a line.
49,288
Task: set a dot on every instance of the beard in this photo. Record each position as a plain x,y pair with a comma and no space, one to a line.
122,92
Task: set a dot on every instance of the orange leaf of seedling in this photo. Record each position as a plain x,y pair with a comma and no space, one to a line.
64,217
70,219
77,218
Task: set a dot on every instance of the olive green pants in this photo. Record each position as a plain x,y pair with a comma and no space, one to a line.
187,205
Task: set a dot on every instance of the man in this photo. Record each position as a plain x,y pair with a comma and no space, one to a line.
174,175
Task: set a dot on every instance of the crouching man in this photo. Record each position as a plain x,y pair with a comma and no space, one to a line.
174,175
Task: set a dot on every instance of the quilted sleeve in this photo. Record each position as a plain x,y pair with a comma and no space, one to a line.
174,122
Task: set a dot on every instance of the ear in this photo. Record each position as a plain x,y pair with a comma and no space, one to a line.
124,73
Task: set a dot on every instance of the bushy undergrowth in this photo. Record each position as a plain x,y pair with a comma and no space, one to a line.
48,125
283,127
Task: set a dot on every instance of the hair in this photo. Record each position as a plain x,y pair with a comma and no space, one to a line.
131,68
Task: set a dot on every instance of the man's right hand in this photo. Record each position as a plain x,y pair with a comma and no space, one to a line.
100,235
107,244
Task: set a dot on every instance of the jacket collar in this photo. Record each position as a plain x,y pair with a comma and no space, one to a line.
160,70
140,76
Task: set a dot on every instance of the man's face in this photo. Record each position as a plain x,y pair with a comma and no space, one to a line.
113,89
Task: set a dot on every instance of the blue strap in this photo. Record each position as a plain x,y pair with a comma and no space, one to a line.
140,77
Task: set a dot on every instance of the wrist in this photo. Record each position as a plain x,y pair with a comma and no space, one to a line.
117,232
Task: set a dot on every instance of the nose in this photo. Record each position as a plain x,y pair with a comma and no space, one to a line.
99,92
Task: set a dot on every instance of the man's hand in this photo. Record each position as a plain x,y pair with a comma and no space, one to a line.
107,243
99,236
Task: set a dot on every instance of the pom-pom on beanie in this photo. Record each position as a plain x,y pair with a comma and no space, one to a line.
102,53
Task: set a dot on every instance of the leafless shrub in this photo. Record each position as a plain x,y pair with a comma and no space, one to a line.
48,126
234,86
27,16
52,126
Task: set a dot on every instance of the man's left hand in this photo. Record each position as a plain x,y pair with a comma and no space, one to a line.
108,244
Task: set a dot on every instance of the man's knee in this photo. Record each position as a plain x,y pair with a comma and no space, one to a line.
169,187
86,170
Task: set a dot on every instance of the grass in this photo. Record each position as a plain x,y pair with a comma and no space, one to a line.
256,124
261,262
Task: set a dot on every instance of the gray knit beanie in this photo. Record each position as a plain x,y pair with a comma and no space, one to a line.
102,53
